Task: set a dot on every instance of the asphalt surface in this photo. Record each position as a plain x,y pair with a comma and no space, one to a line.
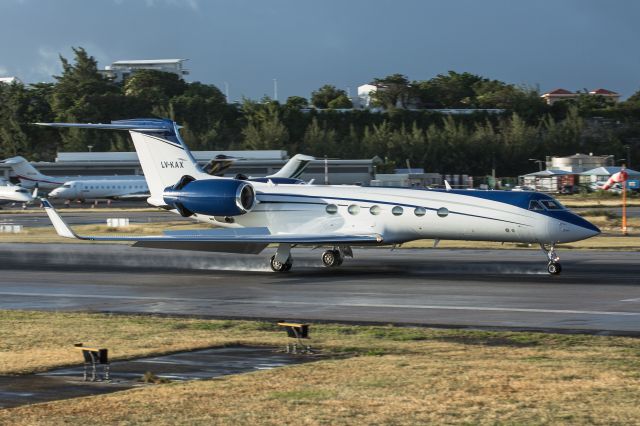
597,292
67,383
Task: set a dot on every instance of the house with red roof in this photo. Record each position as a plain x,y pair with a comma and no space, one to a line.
564,94
615,97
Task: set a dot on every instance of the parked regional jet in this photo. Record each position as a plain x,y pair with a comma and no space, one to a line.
29,176
257,213
93,189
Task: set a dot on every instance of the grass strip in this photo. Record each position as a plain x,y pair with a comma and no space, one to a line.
393,375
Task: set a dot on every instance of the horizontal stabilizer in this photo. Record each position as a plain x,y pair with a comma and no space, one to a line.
139,125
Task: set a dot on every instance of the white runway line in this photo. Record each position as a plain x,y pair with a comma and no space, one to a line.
342,305
631,300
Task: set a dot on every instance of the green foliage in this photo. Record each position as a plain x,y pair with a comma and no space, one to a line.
296,102
393,91
264,129
341,101
320,98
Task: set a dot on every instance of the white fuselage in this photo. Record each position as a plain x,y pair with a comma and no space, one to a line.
397,214
15,194
101,188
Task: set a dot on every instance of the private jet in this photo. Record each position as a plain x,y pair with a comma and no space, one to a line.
31,177
256,214
10,193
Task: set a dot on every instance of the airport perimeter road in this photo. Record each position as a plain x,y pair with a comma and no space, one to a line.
598,291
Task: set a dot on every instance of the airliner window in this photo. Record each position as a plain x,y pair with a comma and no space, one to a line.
551,204
397,210
353,209
420,211
332,209
66,186
374,210
534,205
443,212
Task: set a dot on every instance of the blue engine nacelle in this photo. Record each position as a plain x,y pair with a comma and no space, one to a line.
212,197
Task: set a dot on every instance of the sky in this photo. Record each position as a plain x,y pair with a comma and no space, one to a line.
304,44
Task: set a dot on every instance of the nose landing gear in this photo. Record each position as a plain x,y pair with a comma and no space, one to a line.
553,267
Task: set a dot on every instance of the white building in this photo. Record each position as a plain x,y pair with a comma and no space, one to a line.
121,70
363,99
579,163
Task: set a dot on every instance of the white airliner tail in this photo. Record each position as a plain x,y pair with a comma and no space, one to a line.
294,167
29,176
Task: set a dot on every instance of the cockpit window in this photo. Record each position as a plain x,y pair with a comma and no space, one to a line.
552,205
534,205
66,185
22,191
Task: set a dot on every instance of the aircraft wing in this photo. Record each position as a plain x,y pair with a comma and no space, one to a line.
235,240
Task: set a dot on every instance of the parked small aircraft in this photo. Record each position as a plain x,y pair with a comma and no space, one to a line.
257,214
10,193
30,177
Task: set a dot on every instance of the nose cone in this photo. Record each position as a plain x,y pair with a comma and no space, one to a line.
574,228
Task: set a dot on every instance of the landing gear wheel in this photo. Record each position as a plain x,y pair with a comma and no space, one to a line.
331,258
279,266
554,268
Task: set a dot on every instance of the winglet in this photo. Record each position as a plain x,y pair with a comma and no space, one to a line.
447,186
61,227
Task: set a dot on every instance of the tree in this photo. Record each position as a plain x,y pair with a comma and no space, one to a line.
452,90
393,91
296,102
264,130
634,99
318,140
83,95
155,87
320,98
341,101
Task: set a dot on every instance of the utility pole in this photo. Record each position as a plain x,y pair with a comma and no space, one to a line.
628,148
326,170
226,91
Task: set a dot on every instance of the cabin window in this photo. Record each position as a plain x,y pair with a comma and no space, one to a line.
332,209
375,210
353,209
420,211
397,210
534,205
443,212
551,204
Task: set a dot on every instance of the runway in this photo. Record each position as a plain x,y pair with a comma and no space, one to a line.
597,291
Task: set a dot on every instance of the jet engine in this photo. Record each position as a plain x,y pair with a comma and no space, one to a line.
212,197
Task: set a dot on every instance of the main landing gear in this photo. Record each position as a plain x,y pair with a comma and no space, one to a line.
282,260
553,267
278,266
332,258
